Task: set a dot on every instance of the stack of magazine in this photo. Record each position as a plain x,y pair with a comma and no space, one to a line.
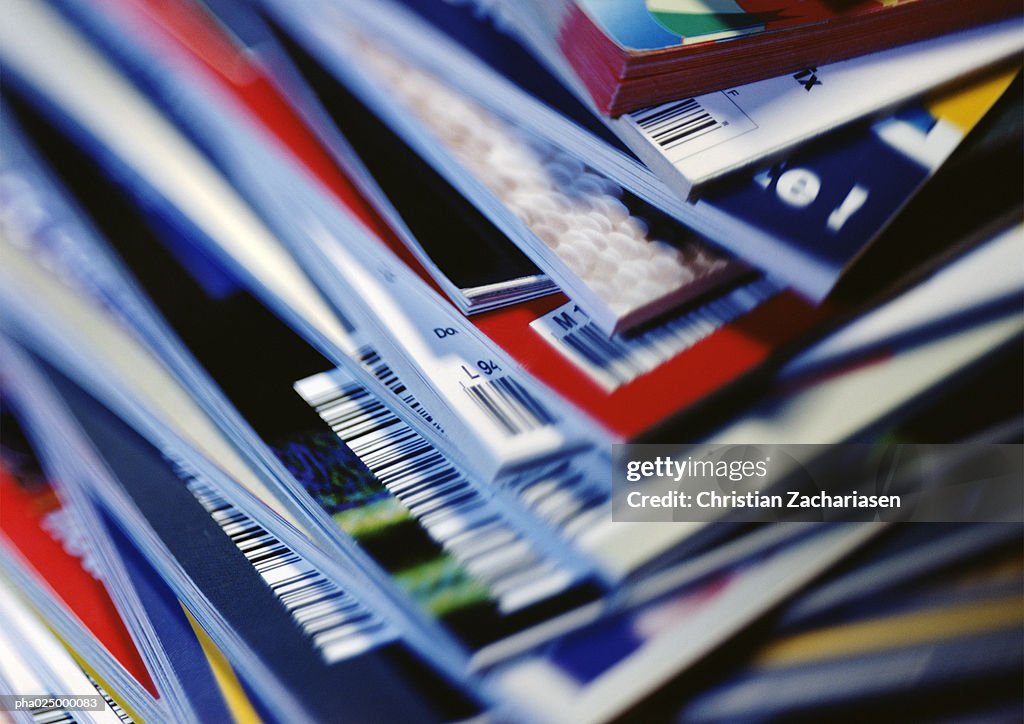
440,360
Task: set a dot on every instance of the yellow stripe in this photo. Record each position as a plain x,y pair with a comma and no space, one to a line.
893,632
966,106
234,696
99,680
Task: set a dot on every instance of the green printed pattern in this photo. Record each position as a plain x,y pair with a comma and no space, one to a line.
361,506
691,19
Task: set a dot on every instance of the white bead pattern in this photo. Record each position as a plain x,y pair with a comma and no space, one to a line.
577,213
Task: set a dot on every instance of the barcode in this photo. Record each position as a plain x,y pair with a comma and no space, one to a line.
370,359
339,626
116,708
615,361
564,494
469,526
119,712
673,124
509,404
52,716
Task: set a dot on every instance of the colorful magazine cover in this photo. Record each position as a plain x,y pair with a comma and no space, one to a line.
630,54
655,24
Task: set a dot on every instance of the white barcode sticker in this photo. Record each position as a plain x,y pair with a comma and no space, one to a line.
615,361
683,128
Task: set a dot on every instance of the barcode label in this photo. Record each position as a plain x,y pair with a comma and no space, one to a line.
339,626
507,403
676,123
682,128
615,361
471,527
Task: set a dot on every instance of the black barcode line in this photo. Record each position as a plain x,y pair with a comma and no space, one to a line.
119,712
625,359
470,527
673,124
51,716
509,404
675,114
606,353
562,495
370,359
338,625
